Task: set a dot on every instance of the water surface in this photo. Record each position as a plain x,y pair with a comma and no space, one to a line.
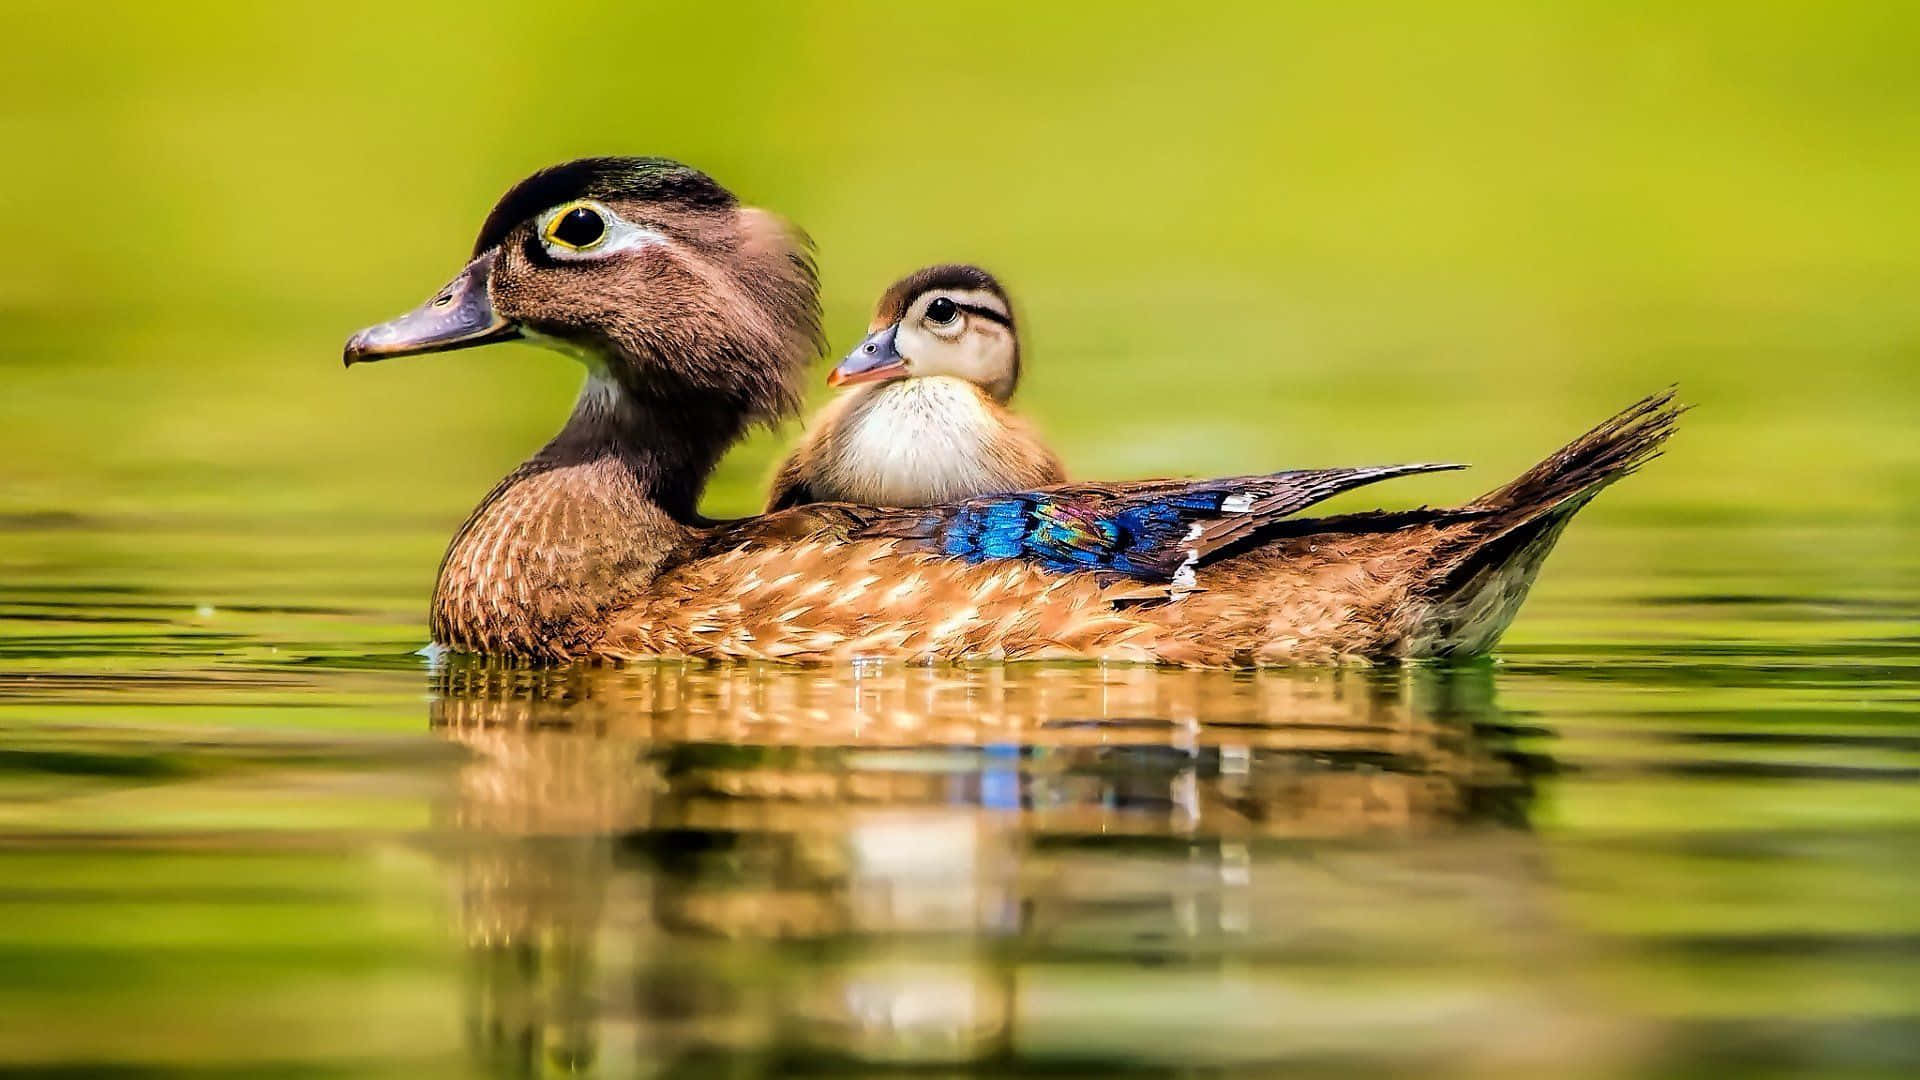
240,833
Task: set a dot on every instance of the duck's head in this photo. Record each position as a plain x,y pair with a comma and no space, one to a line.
944,320
647,270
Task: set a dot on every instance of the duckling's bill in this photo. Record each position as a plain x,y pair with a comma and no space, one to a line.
876,359
458,317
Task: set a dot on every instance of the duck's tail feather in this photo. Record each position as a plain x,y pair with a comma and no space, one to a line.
1577,471
1481,584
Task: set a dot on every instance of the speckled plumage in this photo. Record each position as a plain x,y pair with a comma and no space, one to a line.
1081,572
592,550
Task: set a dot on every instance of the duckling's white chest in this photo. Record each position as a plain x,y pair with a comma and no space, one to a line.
912,442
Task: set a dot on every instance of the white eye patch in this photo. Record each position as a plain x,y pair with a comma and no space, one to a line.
567,232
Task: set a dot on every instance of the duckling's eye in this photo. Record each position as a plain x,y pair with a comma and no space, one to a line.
942,311
580,227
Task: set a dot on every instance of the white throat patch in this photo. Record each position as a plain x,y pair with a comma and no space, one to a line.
912,442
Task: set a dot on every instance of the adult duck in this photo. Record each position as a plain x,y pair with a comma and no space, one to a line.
925,418
696,316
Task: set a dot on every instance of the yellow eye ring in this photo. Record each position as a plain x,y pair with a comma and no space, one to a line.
576,227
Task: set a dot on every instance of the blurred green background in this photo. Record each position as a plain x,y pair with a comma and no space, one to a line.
1243,237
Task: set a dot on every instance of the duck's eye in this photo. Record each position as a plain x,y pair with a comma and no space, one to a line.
942,311
580,227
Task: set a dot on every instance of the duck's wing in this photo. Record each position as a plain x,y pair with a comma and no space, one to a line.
1157,530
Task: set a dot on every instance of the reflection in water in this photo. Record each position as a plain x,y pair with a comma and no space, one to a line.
696,867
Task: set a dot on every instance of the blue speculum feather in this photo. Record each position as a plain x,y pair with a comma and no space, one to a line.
1069,535
1143,531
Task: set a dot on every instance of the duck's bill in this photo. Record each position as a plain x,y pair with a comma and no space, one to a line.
876,359
459,316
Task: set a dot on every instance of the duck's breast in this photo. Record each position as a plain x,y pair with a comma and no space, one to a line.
918,441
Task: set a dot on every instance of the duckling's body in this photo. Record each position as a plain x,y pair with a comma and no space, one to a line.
700,316
912,442
925,418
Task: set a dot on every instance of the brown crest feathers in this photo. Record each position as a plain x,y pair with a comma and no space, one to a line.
652,179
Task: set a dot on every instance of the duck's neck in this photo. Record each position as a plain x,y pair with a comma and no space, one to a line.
668,443
583,525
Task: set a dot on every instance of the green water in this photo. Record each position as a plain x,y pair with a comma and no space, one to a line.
1672,826
1670,829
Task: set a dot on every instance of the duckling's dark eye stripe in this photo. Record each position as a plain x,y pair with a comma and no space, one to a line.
985,313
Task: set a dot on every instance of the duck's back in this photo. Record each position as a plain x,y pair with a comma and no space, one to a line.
1208,573
914,442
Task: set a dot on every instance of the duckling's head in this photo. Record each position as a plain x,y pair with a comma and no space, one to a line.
944,320
648,271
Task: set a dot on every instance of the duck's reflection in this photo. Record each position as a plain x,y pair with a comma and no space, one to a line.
710,866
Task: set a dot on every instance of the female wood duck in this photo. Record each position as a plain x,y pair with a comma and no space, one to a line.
926,420
696,316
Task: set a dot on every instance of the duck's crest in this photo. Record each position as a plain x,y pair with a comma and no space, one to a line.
653,179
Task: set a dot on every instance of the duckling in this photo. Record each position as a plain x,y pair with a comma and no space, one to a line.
696,316
926,419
